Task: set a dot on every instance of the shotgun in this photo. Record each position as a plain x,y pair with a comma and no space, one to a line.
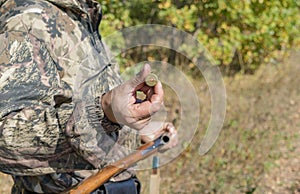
98,179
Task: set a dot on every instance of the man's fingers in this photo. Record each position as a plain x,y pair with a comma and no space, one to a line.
172,133
145,108
140,77
158,93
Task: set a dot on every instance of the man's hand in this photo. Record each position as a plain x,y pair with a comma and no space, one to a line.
155,129
120,104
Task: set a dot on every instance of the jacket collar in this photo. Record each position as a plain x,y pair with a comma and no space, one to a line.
89,8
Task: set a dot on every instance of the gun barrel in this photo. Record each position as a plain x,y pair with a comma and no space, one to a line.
95,181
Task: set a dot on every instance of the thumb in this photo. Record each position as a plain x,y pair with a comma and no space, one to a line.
140,77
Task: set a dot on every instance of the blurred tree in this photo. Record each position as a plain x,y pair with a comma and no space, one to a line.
240,35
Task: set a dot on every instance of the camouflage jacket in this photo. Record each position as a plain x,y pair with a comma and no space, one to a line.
54,69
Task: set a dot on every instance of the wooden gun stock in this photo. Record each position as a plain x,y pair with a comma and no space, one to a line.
95,181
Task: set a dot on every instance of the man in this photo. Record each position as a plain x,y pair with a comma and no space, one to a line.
63,109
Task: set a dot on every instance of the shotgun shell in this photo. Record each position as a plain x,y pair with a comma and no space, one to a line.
140,96
151,79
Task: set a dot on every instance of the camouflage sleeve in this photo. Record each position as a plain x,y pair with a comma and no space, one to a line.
34,105
51,82
88,119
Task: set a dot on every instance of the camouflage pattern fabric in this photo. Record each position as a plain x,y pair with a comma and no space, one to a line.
54,69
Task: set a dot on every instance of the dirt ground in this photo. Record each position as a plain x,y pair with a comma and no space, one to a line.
284,177
258,150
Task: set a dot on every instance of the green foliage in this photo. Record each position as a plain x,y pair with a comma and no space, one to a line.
240,35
